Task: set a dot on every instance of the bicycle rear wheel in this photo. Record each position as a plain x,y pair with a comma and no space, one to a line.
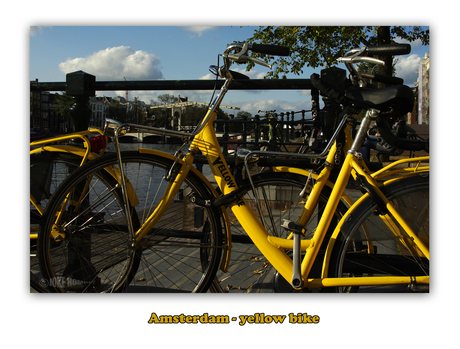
180,254
374,245
47,171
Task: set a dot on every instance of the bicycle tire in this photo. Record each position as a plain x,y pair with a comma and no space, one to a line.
249,270
47,171
170,258
367,246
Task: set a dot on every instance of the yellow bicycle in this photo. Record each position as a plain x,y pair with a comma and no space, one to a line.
162,226
51,161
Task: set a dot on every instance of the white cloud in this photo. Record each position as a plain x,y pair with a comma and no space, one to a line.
280,106
209,76
198,29
34,30
407,68
116,63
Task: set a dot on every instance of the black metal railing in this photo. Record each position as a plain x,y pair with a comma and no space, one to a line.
273,132
81,86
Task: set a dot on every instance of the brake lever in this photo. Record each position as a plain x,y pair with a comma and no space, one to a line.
356,52
236,56
242,56
239,58
245,58
359,59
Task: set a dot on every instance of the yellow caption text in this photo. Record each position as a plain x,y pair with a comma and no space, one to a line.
257,318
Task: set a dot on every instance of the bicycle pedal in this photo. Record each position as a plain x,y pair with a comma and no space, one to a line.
294,227
280,285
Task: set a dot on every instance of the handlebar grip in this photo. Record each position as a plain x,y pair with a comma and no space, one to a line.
391,49
390,80
273,50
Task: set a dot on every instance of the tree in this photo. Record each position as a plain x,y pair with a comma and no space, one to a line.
317,46
117,111
193,114
163,116
244,114
166,99
62,104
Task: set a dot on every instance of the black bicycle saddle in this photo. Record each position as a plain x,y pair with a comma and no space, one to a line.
400,96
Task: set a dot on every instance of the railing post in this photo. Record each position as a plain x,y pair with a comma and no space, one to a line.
79,257
302,131
328,117
283,129
79,87
226,138
257,131
273,123
244,136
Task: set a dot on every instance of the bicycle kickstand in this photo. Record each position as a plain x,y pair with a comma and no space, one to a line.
297,230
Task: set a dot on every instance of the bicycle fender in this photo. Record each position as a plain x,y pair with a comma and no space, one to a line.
330,246
227,229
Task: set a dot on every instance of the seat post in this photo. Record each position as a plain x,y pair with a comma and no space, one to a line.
371,114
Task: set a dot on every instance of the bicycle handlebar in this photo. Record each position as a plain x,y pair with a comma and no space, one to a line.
389,50
240,52
360,55
274,50
381,50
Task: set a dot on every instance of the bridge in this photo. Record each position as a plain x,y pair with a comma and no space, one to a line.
177,108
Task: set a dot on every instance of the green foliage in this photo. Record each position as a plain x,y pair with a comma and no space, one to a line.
193,114
166,99
117,111
244,114
63,103
320,46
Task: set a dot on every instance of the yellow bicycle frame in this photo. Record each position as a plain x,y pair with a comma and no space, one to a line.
273,248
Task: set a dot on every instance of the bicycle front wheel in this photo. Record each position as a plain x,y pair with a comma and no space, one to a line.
372,244
274,198
181,253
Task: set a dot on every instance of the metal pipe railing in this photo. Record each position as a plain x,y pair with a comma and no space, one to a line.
81,86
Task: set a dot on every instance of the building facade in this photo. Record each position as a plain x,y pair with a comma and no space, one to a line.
423,85
99,111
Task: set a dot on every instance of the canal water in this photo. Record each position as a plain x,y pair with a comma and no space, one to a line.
167,148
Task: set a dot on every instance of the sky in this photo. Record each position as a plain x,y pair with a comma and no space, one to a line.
116,53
